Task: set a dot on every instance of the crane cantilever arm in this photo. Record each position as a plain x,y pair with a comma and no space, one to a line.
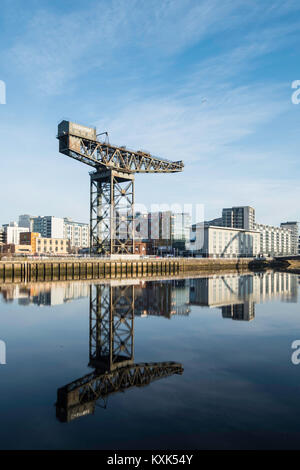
103,155
78,398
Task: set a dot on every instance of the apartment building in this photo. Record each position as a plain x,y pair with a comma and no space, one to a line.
294,228
223,242
56,246
49,226
165,229
180,227
26,220
275,241
29,238
239,217
11,233
77,233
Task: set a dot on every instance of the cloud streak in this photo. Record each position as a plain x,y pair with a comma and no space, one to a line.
182,79
57,48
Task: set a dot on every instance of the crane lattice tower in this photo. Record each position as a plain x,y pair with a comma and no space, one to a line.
112,184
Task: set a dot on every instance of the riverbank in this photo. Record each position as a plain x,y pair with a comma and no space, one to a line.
93,268
288,265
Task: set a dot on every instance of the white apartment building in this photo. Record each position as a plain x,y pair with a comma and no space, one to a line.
294,227
49,226
223,242
12,233
275,241
77,233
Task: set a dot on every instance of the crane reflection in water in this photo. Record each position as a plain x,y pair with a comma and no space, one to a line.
111,355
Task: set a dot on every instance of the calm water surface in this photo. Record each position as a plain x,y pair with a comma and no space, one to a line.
218,349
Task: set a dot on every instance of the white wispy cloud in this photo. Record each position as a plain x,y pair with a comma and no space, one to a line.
190,126
205,117
56,48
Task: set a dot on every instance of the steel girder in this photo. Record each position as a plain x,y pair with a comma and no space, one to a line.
112,213
79,397
101,154
111,230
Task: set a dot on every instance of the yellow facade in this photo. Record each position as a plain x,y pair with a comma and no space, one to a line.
29,238
57,246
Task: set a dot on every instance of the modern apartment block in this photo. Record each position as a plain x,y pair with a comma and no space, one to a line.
49,226
77,233
55,227
165,229
141,226
159,227
11,233
223,242
26,220
294,227
275,241
239,217
180,227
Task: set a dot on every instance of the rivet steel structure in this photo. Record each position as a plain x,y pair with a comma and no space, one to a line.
112,184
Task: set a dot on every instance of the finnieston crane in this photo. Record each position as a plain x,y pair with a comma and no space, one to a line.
112,184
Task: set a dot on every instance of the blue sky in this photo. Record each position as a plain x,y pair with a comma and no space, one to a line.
205,81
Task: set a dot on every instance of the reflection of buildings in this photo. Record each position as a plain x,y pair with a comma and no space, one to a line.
237,294
111,354
244,311
163,298
44,294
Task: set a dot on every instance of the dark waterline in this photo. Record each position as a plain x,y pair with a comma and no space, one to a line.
219,349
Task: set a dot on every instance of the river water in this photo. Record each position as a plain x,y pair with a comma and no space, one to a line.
202,363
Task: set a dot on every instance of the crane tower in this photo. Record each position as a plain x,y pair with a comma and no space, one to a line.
112,184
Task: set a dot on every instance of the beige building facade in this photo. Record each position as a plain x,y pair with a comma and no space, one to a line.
56,246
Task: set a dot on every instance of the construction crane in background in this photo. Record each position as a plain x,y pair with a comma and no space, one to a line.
112,184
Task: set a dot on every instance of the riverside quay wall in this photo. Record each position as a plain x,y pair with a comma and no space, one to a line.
98,268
